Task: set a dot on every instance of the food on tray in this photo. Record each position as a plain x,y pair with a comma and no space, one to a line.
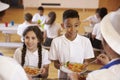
75,67
33,71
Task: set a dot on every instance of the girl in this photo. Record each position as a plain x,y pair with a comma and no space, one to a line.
51,29
32,53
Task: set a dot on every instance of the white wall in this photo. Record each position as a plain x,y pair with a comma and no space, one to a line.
63,3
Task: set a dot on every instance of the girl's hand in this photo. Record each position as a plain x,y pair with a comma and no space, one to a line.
42,71
29,77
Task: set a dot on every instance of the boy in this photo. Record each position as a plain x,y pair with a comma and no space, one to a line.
39,17
71,46
25,24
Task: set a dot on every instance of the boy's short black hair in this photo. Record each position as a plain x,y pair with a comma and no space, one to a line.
70,13
102,12
41,8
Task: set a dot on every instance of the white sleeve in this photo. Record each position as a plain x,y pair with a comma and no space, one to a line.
19,30
11,70
17,55
88,50
19,73
88,18
53,51
34,19
45,59
45,27
94,32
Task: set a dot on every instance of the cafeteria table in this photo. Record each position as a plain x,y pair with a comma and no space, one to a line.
7,31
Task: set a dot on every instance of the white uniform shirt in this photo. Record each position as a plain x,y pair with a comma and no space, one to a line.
94,19
11,70
37,17
112,73
22,27
31,59
52,31
65,50
96,31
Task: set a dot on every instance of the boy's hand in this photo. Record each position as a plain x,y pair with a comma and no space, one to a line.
57,64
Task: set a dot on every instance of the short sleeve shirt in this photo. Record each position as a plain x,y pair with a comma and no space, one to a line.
97,31
65,50
112,73
94,19
52,30
37,17
31,59
11,70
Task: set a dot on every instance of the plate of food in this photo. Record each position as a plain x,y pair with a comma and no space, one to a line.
73,67
32,71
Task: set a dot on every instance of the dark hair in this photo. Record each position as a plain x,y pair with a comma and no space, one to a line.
41,8
38,33
2,13
102,12
52,16
97,10
28,17
70,13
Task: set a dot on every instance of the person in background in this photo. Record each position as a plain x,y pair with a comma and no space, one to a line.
51,29
70,47
96,33
39,17
111,43
32,53
93,19
25,24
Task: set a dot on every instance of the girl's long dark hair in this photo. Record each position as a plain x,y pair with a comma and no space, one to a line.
52,16
39,35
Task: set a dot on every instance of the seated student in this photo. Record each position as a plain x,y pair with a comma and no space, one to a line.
111,43
51,29
25,24
96,33
32,53
39,17
11,70
93,19
71,46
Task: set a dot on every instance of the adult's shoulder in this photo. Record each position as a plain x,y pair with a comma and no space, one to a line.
103,74
10,69
5,58
18,50
115,69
